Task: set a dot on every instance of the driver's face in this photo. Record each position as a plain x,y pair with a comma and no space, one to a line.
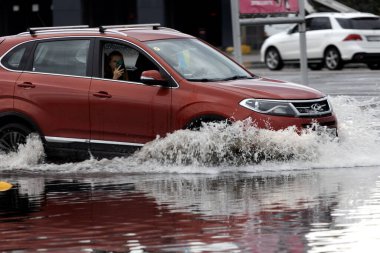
114,60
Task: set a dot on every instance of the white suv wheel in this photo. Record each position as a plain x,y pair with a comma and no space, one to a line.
333,61
273,59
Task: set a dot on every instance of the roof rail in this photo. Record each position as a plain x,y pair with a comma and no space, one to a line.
34,30
103,28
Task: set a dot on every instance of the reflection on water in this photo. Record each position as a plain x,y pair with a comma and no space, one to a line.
317,211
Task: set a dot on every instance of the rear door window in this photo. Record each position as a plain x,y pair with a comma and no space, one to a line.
360,23
17,57
320,23
66,57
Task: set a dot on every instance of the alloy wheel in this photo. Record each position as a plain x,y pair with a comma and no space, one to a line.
273,59
332,59
11,137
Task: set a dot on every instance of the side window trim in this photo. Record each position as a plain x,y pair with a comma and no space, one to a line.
90,56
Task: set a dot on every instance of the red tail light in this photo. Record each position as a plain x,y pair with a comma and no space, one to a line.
353,37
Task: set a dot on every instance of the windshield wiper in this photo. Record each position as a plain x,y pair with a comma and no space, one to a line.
203,80
236,77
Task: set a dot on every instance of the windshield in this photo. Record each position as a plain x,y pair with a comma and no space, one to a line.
360,23
196,61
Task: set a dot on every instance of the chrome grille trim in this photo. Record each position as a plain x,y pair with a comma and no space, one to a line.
307,108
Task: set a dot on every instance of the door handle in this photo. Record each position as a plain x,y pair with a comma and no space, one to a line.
102,94
26,85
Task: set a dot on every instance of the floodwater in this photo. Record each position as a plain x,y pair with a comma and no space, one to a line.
207,191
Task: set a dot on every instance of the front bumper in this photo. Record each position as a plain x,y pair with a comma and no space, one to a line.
282,122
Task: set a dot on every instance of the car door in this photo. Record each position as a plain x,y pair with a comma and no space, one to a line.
54,89
289,46
14,62
126,113
319,29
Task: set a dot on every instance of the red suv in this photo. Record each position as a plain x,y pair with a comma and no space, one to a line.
110,90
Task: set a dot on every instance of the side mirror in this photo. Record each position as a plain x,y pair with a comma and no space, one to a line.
153,77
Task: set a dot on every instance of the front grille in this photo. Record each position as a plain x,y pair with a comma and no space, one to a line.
312,108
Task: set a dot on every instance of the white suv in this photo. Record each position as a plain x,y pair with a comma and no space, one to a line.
333,39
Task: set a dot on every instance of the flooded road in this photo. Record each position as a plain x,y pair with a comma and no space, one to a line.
207,191
320,210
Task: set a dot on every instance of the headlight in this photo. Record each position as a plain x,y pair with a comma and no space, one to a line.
272,107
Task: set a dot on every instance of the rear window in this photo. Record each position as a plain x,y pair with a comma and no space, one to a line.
15,59
360,23
68,57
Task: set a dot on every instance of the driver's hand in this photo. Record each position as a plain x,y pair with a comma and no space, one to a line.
117,73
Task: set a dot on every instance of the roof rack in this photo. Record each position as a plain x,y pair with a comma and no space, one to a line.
34,30
103,28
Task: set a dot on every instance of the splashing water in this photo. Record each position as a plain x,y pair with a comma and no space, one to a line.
237,144
28,155
237,147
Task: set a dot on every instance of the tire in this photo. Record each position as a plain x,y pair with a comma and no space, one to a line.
315,66
332,59
273,59
374,66
12,135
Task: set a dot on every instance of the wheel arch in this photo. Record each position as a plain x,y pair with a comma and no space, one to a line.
331,46
16,117
270,47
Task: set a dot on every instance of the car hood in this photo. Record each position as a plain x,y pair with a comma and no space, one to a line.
269,89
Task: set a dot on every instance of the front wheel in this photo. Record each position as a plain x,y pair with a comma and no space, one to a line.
333,60
12,136
273,59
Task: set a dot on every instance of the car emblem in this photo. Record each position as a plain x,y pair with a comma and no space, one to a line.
317,107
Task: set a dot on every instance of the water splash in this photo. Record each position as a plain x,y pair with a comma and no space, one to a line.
241,146
28,155
237,144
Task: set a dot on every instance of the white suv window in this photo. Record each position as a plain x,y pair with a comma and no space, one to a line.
67,57
320,23
367,23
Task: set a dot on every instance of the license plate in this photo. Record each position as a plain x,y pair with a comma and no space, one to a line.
373,38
